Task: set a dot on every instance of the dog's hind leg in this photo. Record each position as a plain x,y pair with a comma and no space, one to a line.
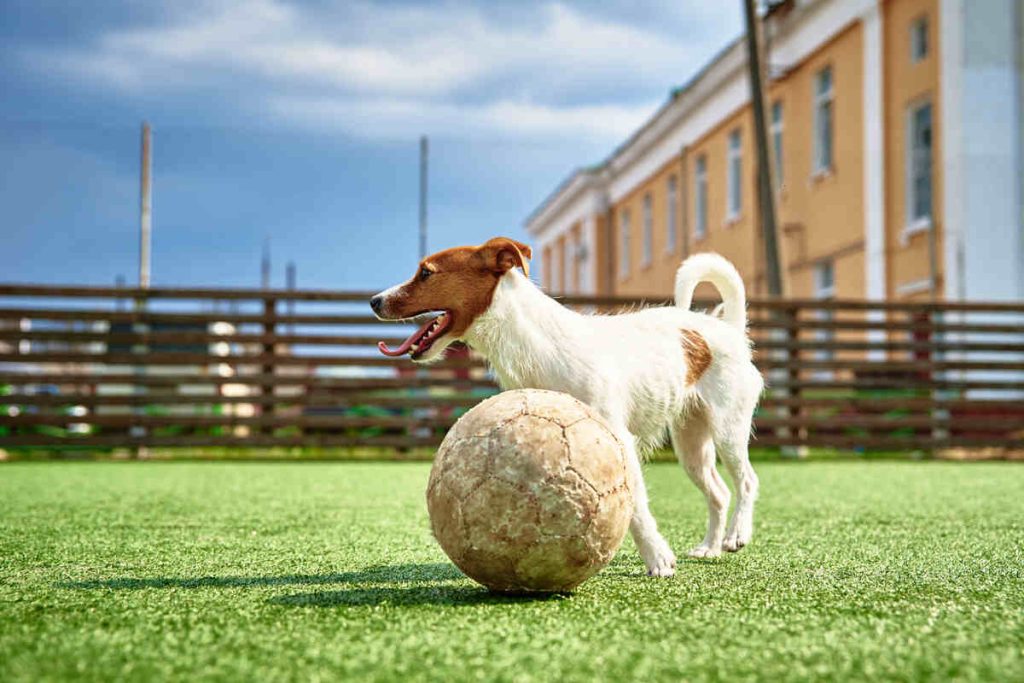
653,548
696,452
733,449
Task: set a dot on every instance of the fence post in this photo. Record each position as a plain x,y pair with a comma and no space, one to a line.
269,364
786,329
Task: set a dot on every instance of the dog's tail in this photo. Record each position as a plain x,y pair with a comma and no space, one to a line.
708,267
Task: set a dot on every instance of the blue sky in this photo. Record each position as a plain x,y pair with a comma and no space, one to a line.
299,122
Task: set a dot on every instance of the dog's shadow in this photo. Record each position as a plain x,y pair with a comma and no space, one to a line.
408,584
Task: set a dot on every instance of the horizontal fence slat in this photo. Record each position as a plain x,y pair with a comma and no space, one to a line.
202,359
300,421
252,294
431,378
188,337
303,400
893,443
204,293
889,366
756,324
254,441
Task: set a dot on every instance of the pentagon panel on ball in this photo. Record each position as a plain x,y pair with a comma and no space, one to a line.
530,492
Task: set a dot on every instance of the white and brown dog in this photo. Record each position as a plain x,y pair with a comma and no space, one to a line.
647,372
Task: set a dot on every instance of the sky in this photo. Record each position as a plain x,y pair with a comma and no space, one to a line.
298,123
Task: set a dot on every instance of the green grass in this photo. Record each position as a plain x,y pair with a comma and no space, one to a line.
325,571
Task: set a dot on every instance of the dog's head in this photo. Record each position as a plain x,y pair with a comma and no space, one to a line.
450,289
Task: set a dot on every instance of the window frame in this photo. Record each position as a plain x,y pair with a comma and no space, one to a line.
912,221
919,44
734,175
700,197
671,214
647,231
568,260
822,98
624,243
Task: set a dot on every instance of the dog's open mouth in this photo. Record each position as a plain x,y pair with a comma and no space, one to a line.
422,339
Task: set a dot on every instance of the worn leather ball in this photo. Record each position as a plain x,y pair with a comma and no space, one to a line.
530,492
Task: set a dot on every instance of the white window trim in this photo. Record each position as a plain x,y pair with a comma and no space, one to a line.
700,200
820,169
647,232
912,287
913,226
732,213
671,214
624,244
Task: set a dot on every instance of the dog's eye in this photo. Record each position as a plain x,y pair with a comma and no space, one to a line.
425,273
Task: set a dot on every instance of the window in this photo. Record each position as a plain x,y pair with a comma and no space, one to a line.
919,39
734,166
569,260
556,278
823,120
671,215
777,141
824,280
549,279
919,164
648,237
700,197
824,288
624,244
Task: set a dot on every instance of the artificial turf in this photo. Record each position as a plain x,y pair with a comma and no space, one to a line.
327,571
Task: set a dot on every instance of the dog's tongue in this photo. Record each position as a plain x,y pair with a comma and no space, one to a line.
404,347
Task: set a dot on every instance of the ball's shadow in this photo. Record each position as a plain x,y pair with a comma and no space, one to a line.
407,584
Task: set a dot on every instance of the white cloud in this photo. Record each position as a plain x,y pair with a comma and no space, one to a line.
380,69
395,118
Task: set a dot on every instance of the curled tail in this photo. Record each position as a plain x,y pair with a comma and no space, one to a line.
718,271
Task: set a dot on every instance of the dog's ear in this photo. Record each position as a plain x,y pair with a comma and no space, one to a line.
502,254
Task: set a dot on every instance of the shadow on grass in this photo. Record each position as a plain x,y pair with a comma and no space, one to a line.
397,573
407,596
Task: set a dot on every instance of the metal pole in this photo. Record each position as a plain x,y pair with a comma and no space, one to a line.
145,230
765,185
265,265
290,277
146,206
423,196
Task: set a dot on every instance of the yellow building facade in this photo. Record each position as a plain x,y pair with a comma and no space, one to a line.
855,104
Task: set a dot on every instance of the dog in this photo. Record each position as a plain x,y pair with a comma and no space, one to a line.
648,372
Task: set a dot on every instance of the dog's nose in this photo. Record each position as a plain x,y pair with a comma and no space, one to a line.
376,302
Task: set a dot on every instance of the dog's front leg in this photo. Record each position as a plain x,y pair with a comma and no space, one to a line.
654,549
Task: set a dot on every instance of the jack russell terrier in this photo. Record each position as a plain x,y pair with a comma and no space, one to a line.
647,372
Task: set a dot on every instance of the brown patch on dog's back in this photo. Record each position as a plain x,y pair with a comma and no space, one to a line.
698,355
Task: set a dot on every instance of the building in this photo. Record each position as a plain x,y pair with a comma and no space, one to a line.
898,155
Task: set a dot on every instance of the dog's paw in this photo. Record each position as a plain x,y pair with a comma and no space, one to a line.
660,561
735,541
704,551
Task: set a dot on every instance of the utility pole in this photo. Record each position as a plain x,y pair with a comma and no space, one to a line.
146,206
145,229
423,196
265,265
765,186
290,278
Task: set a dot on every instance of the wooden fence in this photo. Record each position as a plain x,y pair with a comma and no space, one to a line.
99,368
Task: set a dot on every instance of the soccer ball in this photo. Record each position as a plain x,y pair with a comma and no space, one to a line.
530,492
